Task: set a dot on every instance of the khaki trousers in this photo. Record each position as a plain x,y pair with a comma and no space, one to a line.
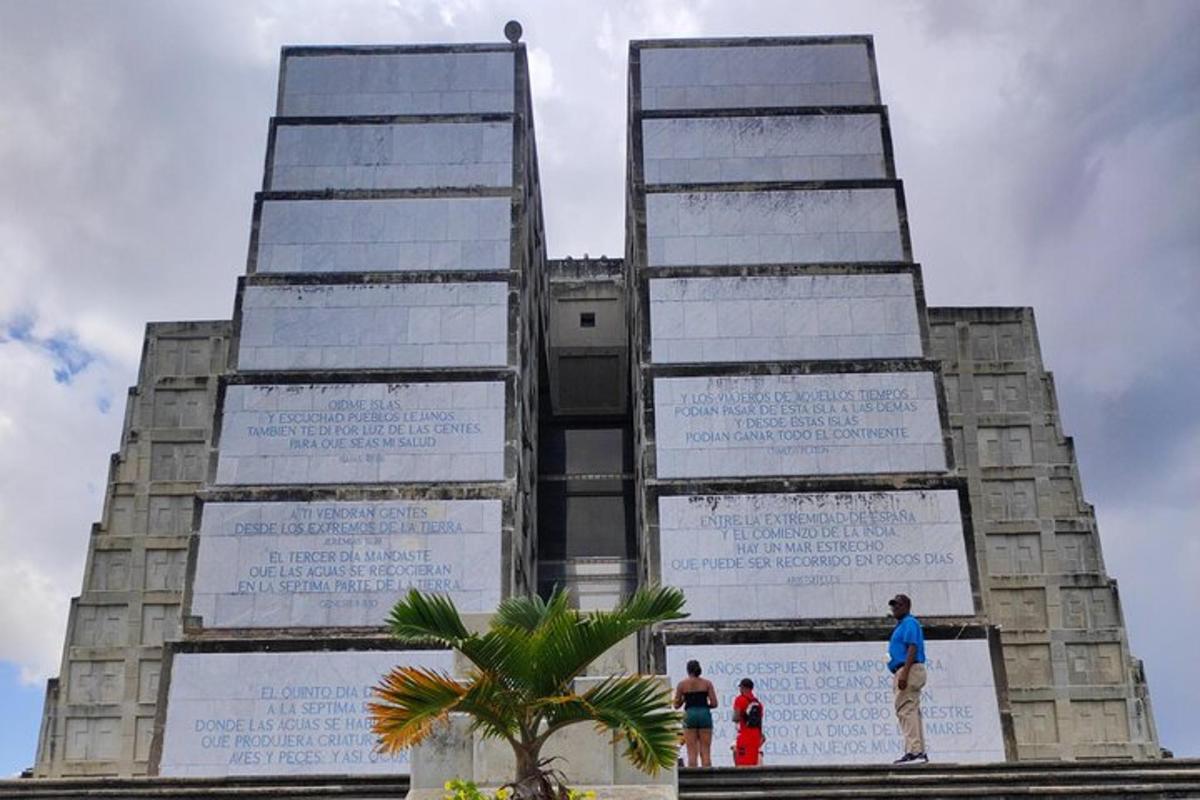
908,708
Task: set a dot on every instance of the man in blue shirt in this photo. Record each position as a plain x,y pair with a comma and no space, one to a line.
906,662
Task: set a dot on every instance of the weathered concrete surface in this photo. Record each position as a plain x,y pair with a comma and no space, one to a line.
831,702
784,226
98,717
1076,689
366,81
374,326
270,713
759,148
730,73
750,400
783,318
309,157
814,555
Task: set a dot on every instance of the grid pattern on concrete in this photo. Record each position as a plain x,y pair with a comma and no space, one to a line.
783,226
808,147
341,82
312,157
409,433
739,75
783,318
390,235
99,713
391,325
1076,690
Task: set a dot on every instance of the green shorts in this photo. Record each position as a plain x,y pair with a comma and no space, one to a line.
698,718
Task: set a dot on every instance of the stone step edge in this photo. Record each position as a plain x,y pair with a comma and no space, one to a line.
921,774
1066,792
1000,766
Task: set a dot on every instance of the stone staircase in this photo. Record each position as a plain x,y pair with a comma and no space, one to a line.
1174,778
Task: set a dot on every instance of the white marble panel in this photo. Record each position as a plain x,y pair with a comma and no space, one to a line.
404,234
349,326
358,84
339,564
757,76
783,318
796,148
831,702
280,713
772,227
362,433
813,556
836,424
320,157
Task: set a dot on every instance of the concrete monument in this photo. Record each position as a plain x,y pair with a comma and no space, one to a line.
754,405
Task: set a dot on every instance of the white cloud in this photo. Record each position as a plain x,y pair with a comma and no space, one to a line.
54,446
541,74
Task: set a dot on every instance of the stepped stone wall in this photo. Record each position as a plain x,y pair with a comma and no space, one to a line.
99,713
1076,690
793,454
376,431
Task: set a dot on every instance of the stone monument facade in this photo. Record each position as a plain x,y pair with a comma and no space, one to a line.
754,404
99,713
1075,689
376,429
794,465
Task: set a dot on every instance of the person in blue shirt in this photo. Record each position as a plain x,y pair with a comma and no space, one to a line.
906,662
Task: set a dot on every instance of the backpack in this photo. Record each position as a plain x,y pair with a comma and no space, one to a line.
754,714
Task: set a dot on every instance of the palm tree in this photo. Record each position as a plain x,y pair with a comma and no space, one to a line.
520,684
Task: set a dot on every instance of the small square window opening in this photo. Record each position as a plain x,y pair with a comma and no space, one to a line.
587,319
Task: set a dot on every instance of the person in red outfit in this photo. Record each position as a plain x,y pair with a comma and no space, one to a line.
748,714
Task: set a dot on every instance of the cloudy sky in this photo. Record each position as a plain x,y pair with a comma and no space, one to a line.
1050,153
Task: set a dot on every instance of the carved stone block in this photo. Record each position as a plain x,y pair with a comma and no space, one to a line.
110,571
101,626
1023,609
96,681
1090,664
93,738
160,621
1035,722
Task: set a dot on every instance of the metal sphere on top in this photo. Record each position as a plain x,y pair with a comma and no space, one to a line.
512,31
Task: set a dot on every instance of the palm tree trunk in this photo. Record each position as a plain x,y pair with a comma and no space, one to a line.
528,772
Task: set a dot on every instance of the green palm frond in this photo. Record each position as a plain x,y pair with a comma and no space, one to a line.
566,643
520,687
650,605
635,707
427,619
492,652
410,701
524,612
494,709
555,648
